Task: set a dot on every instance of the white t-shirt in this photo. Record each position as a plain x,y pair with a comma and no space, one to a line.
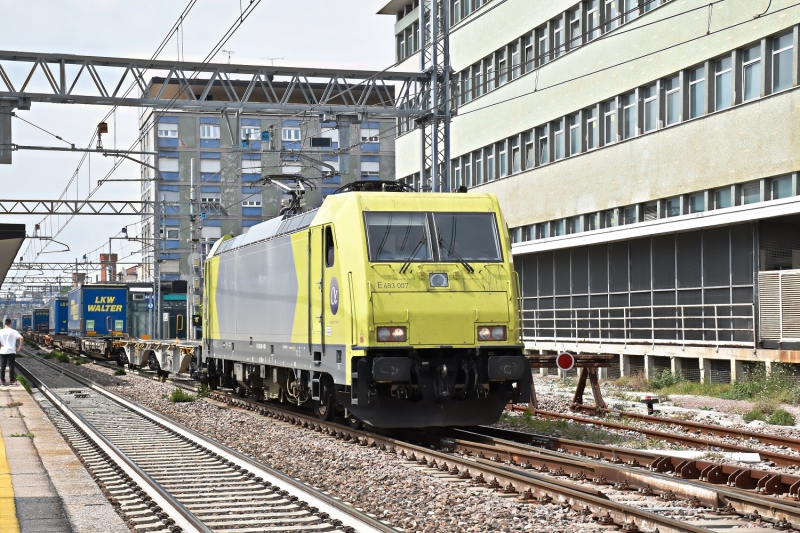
8,340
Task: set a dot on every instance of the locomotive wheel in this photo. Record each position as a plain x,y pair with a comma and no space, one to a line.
325,406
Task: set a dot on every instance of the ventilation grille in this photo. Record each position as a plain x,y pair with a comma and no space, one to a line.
779,305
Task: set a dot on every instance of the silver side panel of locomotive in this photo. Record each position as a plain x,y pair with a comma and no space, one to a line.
256,300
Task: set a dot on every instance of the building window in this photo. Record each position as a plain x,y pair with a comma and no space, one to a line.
490,167
574,225
592,134
251,133
751,73
502,158
455,16
210,200
751,193
781,188
673,100
651,211
592,20
575,134
544,151
650,107
515,60
527,233
629,215
723,83
456,173
488,67
557,228
209,131
173,234
697,203
467,170
781,62
251,203
289,134
502,67
610,218
722,198
367,134
466,87
610,124
478,167
672,207
530,158
559,140
543,55
611,15
697,88
477,81
591,222
628,115
558,37
631,9
516,155
528,43
167,130
575,28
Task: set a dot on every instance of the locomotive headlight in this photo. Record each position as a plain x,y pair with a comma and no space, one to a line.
492,333
392,334
499,333
438,279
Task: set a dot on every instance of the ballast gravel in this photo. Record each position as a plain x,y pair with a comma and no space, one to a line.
371,480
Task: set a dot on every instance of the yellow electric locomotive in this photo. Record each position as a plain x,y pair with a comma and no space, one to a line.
398,308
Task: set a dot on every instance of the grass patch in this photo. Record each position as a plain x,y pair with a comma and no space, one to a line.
203,391
26,434
24,382
562,428
80,361
779,386
31,344
180,395
781,417
120,372
755,414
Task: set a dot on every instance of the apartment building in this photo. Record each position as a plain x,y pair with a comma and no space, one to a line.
229,154
646,157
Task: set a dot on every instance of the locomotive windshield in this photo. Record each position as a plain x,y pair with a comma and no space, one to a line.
415,237
398,236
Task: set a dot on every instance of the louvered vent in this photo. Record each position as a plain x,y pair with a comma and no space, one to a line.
779,305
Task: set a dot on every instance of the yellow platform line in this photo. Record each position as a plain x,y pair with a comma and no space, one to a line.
8,510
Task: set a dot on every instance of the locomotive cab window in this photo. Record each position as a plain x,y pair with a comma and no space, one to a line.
467,236
397,236
329,253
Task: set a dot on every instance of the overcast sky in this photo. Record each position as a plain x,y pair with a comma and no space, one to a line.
329,33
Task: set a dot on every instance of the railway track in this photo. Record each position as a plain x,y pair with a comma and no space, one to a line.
567,474
166,477
688,425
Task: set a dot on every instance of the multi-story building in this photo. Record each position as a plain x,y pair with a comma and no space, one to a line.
646,157
229,154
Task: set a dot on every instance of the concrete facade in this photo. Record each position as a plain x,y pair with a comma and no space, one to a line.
603,123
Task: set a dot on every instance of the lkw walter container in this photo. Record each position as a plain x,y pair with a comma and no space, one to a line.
98,311
41,320
59,314
27,320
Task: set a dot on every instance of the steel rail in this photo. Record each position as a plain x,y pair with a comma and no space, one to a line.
180,514
643,471
779,459
346,514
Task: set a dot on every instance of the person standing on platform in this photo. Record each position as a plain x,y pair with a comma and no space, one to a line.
10,344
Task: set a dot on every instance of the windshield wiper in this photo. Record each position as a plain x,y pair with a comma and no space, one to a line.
413,254
451,251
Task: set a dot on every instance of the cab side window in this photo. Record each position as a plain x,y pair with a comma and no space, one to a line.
329,253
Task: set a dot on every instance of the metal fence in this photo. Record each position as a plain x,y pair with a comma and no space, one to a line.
684,325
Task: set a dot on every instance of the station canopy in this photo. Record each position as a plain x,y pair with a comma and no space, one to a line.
11,239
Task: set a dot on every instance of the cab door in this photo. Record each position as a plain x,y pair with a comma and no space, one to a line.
316,300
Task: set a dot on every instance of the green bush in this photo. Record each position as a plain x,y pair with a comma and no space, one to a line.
180,395
62,358
781,417
203,391
779,385
24,382
755,414
665,378
120,372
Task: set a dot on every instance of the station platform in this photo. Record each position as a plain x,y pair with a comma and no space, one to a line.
44,488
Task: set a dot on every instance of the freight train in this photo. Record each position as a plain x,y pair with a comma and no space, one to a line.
398,309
